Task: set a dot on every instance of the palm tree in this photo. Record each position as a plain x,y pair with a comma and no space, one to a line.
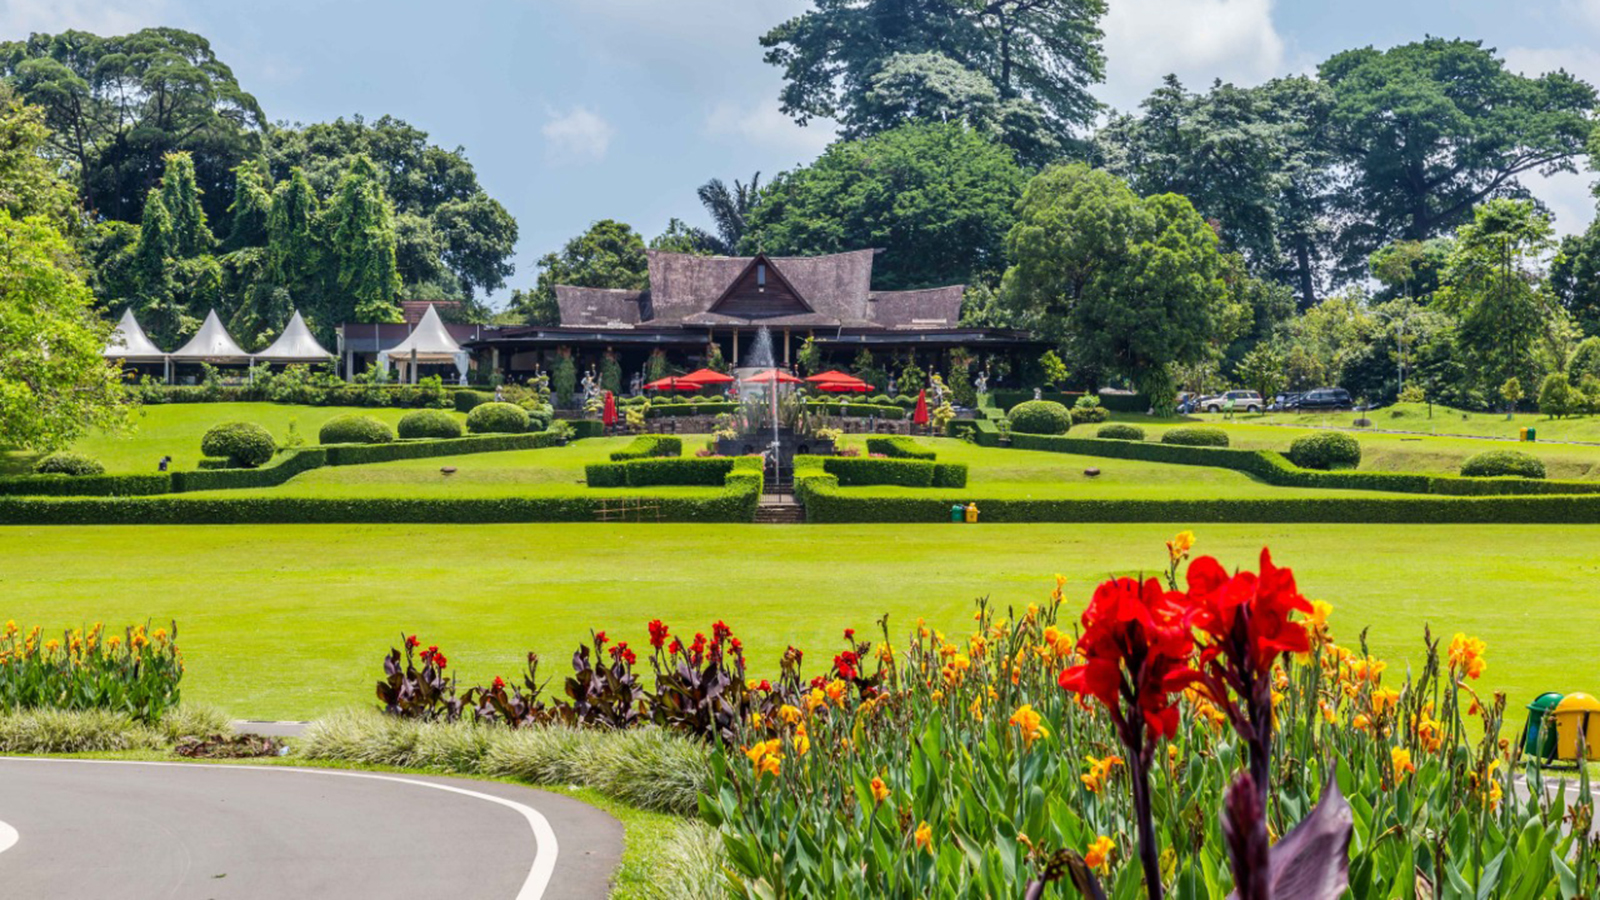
730,209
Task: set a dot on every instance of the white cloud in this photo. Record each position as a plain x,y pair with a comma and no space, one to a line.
1198,40
19,18
577,136
764,125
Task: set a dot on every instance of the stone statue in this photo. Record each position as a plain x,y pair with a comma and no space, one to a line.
981,383
636,386
1037,395
591,387
891,387
938,391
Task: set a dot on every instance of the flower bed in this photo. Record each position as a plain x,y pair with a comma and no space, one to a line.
135,673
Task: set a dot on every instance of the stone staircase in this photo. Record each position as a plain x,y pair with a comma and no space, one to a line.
779,509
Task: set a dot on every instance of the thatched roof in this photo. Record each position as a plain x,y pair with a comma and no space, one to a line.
598,307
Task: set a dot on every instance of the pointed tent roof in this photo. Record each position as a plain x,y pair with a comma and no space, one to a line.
128,341
211,342
430,339
296,344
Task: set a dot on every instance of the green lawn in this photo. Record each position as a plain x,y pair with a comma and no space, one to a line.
175,430
291,621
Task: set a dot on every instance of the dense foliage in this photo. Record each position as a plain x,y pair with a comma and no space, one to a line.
1195,436
497,418
429,423
65,463
1495,463
135,673
1327,450
244,445
1120,431
354,428
1040,417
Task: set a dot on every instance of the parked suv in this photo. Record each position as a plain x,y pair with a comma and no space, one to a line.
1325,398
1243,401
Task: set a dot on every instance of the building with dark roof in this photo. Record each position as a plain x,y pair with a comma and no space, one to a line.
694,301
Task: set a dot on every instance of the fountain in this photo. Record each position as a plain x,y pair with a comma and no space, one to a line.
772,418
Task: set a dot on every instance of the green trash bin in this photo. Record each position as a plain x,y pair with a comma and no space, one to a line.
1533,744
1533,433
958,514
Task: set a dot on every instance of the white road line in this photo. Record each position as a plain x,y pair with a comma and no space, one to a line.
8,837
545,846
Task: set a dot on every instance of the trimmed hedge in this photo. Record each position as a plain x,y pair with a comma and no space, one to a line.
586,428
354,428
949,475
245,444
497,418
1273,468
465,401
1089,415
65,463
858,410
649,445
1196,436
1503,462
1121,403
1327,450
899,447
684,407
1119,431
1040,417
853,471
661,471
435,424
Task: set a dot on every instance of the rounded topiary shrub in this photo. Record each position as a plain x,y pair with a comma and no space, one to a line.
1503,462
539,418
430,423
1089,415
243,444
1196,436
1040,417
497,418
1121,431
68,464
355,429
1329,450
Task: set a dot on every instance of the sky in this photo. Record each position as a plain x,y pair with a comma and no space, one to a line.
578,110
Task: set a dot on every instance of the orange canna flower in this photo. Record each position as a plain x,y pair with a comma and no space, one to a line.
925,837
1099,853
880,791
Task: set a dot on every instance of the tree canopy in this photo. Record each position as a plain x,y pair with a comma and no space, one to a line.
609,255
936,199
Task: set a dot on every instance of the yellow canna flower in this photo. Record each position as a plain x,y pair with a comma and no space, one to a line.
880,791
1179,546
925,837
1098,855
1030,723
1400,759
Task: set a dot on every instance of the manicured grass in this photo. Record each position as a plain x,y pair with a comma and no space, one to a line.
175,430
291,621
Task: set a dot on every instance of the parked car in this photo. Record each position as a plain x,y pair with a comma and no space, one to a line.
1243,401
1324,398
1281,402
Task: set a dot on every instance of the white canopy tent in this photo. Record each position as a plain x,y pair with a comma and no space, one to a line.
129,343
296,345
211,344
429,342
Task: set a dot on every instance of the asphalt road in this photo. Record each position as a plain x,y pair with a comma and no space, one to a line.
72,829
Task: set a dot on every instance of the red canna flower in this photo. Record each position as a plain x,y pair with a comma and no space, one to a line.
600,638
412,642
1135,643
1260,605
720,632
675,647
845,664
499,683
658,633
439,661
850,634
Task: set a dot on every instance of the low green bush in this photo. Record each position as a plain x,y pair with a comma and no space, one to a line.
65,463
466,400
1040,417
586,428
354,428
245,444
949,475
74,731
1089,415
497,418
429,423
854,471
1496,463
1326,451
540,417
646,445
899,447
1196,436
1120,431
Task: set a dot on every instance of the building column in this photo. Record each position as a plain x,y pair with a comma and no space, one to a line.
494,361
735,348
786,348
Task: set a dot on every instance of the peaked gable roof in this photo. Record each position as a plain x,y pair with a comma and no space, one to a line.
429,339
212,341
128,341
761,292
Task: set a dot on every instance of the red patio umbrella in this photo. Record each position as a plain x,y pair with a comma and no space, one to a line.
832,375
919,416
674,383
706,376
839,382
773,375
608,416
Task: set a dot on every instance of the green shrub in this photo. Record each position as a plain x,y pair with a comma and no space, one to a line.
245,444
949,475
540,417
64,463
1040,417
1503,462
853,471
899,447
1328,450
465,400
646,445
1120,431
354,428
73,731
497,418
1089,413
1196,436
430,423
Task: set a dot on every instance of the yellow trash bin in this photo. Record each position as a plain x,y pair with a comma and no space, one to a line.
1522,434
1577,721
972,512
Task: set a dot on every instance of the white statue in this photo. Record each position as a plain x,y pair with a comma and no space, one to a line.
891,386
981,383
1037,395
591,388
636,386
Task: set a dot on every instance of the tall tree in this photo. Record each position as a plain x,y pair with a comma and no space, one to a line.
1046,51
29,181
361,250
251,207
730,209
1575,277
1494,283
295,250
118,105
448,229
1431,129
191,235
1126,285
936,199
609,255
